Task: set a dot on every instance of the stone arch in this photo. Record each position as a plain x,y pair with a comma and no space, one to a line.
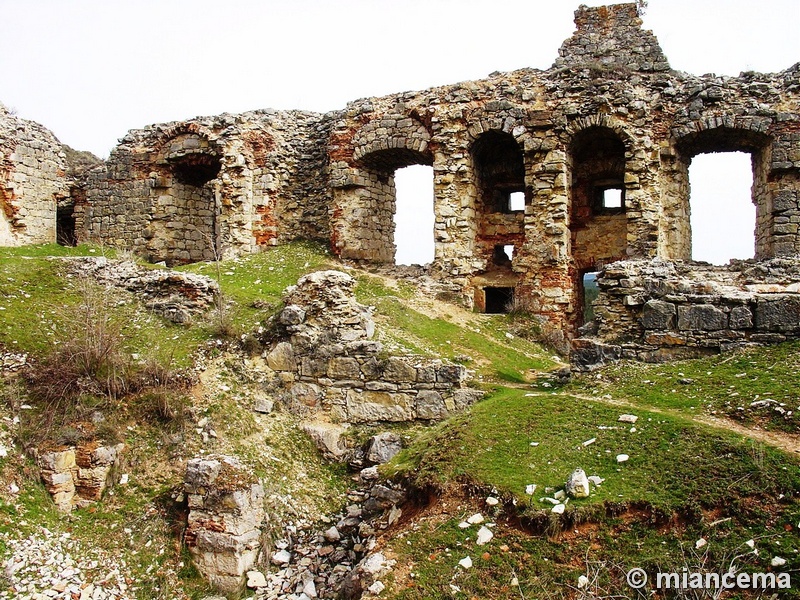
185,194
365,200
599,199
728,134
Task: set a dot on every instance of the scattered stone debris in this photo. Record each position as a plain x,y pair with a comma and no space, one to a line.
174,295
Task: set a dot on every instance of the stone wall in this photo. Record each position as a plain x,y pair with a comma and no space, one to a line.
33,179
325,361
657,311
226,513
211,187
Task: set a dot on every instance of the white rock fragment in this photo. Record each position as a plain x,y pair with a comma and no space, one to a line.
700,543
13,488
778,561
530,489
123,479
628,419
256,579
578,484
376,588
282,557
484,536
596,480
492,501
514,582
560,495
475,519
751,543
550,500
465,563
583,581
558,509
589,442
621,458
534,444
463,525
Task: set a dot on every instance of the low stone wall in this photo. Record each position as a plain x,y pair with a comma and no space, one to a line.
657,311
326,361
77,476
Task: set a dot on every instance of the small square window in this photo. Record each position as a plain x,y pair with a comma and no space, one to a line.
612,199
516,201
609,198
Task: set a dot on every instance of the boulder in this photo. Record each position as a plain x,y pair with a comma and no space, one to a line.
383,447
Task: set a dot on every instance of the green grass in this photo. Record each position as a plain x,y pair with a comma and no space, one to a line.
491,446
725,385
489,351
681,477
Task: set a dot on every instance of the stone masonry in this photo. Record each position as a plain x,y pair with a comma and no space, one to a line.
325,361
658,311
76,476
599,146
33,179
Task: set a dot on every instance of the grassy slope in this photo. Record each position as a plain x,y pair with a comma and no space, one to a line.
680,474
649,512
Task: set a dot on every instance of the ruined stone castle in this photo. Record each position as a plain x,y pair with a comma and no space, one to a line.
575,167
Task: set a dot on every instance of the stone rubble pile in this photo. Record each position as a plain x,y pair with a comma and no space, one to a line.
48,567
340,561
174,295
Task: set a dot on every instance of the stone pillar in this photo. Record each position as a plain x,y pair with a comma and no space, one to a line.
226,510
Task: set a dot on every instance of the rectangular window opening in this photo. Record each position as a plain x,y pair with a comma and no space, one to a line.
516,201
612,199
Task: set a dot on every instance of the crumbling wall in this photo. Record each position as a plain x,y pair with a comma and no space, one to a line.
325,362
610,115
33,179
211,187
657,311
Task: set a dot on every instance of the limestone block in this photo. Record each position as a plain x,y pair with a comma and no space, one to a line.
704,317
455,374
383,447
741,317
307,394
658,314
780,314
328,437
282,358
367,406
430,405
398,370
344,368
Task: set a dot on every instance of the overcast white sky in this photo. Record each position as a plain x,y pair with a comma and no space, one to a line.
92,69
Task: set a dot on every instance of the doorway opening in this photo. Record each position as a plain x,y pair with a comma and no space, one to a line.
65,226
498,299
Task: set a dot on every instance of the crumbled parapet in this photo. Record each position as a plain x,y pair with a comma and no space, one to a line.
326,361
226,511
658,311
174,295
77,476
